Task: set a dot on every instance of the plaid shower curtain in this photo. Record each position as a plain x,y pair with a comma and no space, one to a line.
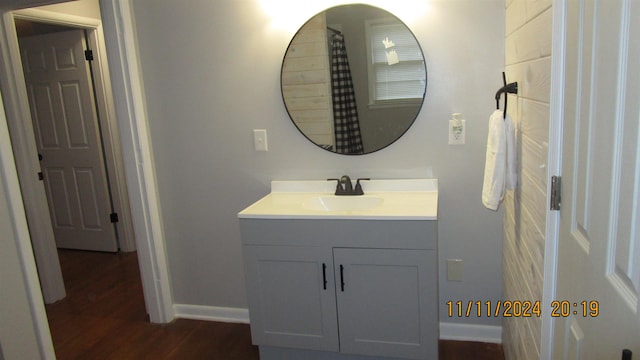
345,112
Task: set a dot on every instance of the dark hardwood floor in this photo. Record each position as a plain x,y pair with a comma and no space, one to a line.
103,317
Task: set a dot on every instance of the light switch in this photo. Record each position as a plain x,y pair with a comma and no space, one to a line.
260,140
454,269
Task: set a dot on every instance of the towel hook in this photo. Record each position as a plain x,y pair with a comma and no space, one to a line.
511,88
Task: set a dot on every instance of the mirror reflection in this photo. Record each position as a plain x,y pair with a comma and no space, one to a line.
353,79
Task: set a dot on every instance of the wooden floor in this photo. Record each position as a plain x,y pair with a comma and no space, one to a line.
103,317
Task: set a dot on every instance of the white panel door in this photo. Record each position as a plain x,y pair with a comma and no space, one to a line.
67,136
598,284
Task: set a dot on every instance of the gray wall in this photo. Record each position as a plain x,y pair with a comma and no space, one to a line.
211,74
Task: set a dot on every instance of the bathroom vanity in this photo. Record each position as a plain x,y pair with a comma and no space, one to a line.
343,277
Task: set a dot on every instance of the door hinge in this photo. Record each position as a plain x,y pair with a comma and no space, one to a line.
40,176
556,192
114,217
88,55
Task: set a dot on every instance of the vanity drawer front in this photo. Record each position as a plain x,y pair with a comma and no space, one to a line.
387,234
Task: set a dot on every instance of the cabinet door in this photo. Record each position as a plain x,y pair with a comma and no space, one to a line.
291,295
388,303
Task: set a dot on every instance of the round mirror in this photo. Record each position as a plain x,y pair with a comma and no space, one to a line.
353,79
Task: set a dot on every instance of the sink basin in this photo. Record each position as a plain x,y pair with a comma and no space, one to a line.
342,203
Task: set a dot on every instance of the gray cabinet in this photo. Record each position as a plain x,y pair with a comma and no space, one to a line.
333,294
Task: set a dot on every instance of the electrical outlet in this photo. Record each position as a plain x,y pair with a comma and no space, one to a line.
454,269
457,132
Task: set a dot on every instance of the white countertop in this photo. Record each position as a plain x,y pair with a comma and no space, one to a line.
410,199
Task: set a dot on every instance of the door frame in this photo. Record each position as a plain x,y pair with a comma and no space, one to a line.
130,109
139,170
554,166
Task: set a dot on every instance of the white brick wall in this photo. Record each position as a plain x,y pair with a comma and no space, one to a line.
528,61
306,82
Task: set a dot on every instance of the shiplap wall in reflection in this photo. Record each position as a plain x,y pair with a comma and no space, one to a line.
306,82
528,61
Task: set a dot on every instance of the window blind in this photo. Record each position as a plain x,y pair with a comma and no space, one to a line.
404,80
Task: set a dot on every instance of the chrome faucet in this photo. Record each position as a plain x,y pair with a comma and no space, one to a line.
346,188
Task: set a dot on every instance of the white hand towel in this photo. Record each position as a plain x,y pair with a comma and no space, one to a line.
500,166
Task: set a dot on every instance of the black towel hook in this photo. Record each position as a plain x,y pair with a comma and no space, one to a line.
511,88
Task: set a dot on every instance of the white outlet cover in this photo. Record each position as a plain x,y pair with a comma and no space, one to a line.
454,269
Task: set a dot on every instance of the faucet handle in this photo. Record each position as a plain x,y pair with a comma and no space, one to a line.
339,189
358,189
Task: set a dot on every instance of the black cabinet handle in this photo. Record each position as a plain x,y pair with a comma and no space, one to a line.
626,354
342,278
324,276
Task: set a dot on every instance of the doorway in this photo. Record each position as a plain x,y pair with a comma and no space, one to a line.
91,129
128,104
40,21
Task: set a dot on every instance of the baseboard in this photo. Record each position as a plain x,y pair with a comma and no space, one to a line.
448,331
211,313
471,332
